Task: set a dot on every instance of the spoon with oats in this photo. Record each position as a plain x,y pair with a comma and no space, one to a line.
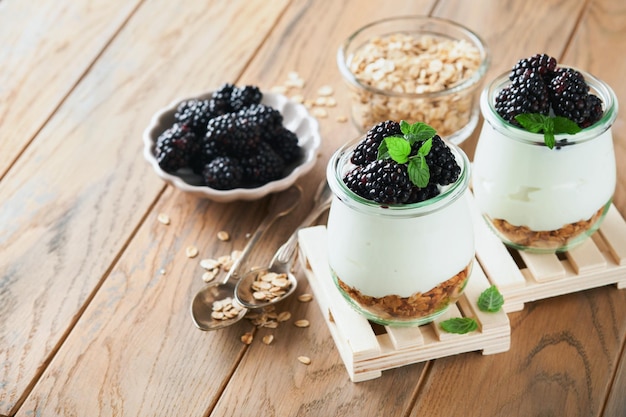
264,286
214,306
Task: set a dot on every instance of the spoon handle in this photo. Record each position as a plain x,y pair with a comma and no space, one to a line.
286,251
280,205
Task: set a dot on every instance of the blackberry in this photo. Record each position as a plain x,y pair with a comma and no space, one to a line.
527,94
208,150
242,97
569,92
223,173
195,113
174,146
386,182
355,181
367,150
233,136
266,117
422,194
220,100
543,64
285,143
443,167
262,167
594,107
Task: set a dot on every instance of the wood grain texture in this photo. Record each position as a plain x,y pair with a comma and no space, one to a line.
48,49
599,41
95,293
563,350
595,47
79,192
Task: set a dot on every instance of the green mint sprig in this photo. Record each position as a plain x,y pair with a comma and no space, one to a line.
398,148
549,125
459,325
490,300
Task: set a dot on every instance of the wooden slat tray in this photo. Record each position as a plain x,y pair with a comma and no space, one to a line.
367,349
524,277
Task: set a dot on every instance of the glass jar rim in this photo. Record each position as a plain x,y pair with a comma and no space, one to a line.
450,193
603,90
467,84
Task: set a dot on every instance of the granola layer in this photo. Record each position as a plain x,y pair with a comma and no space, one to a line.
545,239
416,306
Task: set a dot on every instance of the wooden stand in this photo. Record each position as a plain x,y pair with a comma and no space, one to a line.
367,350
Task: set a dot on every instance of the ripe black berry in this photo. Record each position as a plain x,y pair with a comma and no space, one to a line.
194,113
223,173
367,150
570,98
174,146
443,167
242,97
232,135
220,100
386,182
527,93
264,166
543,64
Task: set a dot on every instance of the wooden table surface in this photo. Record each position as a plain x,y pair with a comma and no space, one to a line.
89,324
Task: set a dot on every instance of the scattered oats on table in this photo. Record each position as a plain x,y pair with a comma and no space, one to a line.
304,359
301,323
163,218
191,251
223,235
305,298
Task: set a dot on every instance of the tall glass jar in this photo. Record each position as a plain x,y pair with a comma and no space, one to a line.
400,265
540,199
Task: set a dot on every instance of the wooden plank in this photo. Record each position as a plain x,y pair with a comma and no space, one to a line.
586,257
405,337
543,267
75,200
613,229
48,48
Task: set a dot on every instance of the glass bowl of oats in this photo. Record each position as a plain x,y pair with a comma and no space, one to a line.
415,68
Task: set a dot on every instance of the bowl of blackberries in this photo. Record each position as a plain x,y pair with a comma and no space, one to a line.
232,143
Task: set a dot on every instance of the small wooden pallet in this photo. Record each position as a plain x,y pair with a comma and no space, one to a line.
524,277
367,349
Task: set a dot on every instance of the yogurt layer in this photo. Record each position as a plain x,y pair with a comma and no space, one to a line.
542,188
380,256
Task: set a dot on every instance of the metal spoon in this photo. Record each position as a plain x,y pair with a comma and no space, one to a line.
202,304
249,296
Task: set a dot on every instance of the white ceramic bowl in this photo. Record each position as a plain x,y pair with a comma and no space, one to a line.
295,118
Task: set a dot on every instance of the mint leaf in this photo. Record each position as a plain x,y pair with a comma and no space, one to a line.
550,126
459,325
533,122
425,148
490,300
548,133
565,125
416,132
418,171
397,148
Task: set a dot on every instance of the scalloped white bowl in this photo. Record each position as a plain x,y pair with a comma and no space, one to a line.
295,118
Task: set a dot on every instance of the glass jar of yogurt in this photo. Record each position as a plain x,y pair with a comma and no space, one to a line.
540,199
400,265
